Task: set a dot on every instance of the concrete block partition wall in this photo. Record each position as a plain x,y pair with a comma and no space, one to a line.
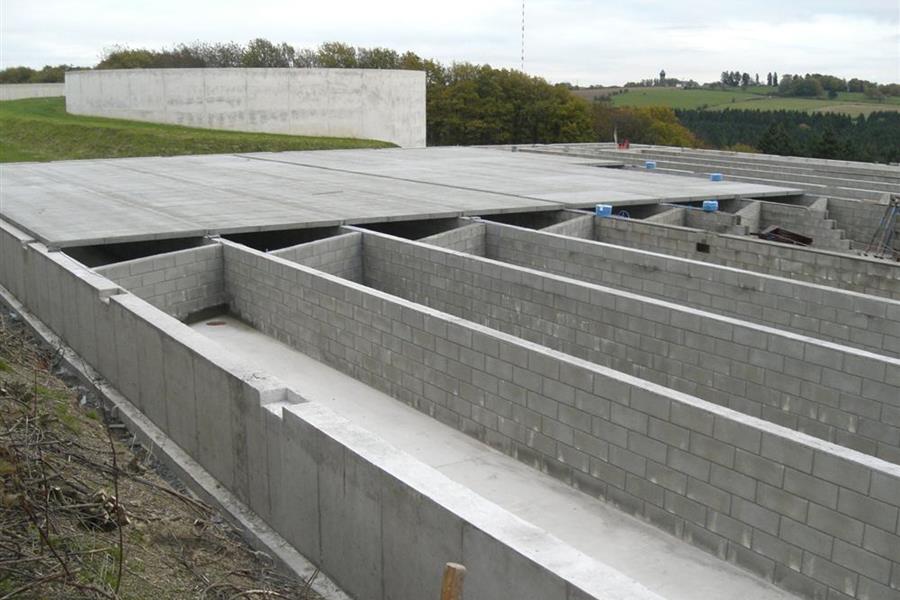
844,395
855,273
379,104
178,283
340,255
827,313
814,517
468,238
375,520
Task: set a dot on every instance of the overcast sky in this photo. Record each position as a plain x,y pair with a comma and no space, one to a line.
582,41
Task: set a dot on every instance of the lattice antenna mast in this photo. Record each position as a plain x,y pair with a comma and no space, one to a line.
523,36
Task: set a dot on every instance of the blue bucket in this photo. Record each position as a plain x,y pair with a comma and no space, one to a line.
603,210
710,205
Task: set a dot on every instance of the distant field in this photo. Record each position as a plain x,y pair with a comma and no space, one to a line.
39,129
754,98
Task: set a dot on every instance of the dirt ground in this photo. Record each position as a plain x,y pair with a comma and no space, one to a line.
87,513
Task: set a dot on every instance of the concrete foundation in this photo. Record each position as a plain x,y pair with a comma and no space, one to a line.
514,382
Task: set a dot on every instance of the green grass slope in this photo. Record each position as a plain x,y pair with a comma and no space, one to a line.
753,98
39,129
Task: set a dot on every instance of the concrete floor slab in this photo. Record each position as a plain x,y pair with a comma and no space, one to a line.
662,563
86,202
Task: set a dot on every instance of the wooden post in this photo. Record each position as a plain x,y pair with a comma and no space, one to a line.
452,586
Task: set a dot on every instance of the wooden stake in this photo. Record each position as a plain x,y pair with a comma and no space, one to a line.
452,586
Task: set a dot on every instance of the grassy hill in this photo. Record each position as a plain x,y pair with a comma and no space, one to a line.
753,98
39,129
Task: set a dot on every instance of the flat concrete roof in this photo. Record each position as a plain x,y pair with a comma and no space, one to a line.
86,202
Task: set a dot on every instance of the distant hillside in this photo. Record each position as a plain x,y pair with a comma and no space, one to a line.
753,98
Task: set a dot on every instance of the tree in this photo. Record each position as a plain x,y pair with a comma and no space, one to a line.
745,80
263,53
828,145
662,77
335,55
777,141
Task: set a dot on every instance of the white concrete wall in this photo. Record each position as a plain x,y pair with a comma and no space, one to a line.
17,91
360,103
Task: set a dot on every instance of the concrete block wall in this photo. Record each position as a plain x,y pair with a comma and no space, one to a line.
340,255
373,518
580,227
860,220
673,216
380,104
18,91
750,216
811,516
468,238
839,394
178,283
830,314
855,273
717,221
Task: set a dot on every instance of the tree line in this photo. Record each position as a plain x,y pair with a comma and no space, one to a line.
872,138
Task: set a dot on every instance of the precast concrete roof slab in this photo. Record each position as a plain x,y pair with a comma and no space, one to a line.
103,201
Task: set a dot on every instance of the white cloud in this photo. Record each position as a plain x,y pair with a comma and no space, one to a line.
588,41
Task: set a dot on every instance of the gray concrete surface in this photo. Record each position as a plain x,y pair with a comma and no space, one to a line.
18,91
378,104
640,551
150,198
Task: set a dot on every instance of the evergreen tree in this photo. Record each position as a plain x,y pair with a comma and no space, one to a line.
777,141
828,145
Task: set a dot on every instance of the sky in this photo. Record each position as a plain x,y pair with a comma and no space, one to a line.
584,42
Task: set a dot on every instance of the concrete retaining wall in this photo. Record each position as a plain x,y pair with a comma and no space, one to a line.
468,238
859,274
378,522
848,318
809,515
835,393
357,103
17,91
340,255
178,283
